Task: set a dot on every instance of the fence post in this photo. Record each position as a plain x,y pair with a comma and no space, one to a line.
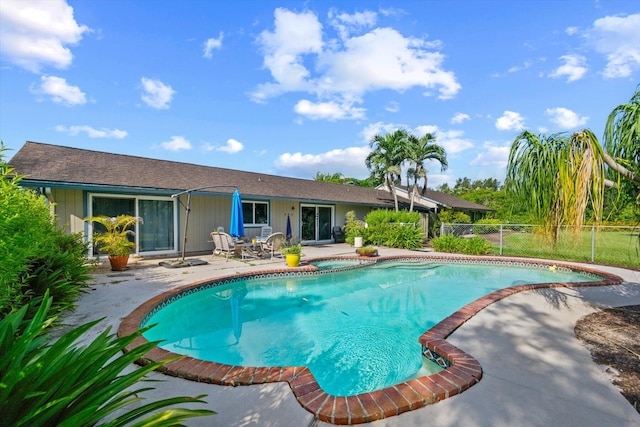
593,243
500,239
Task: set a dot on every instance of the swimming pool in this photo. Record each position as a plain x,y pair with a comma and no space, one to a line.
374,314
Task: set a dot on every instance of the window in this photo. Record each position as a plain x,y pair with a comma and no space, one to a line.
255,213
158,228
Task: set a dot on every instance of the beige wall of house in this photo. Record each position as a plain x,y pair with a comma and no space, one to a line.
68,209
207,213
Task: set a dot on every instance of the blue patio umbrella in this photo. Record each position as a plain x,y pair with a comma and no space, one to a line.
236,228
289,228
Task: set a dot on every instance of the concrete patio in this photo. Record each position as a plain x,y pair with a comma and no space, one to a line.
536,373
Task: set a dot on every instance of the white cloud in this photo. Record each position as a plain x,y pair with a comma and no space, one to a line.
517,68
571,30
459,118
156,94
60,91
378,128
232,146
328,110
510,120
92,132
565,118
38,32
294,35
574,68
348,161
344,70
177,143
618,38
452,140
384,59
346,23
212,44
392,107
495,157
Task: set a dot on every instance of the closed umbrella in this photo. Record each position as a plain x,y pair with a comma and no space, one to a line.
289,228
236,228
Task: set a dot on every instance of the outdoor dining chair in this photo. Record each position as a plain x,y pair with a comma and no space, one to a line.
273,243
223,243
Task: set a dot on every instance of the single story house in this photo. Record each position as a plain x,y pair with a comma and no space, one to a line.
80,183
438,200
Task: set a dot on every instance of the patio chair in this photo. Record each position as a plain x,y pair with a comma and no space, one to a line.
224,244
273,243
265,232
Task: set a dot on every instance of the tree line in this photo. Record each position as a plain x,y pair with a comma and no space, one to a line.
552,179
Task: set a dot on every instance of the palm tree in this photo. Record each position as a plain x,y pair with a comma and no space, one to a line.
417,151
556,177
622,139
386,158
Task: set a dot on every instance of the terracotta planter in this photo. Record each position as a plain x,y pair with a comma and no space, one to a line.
367,252
118,262
292,260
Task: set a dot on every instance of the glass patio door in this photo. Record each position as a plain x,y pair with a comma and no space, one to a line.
317,222
155,233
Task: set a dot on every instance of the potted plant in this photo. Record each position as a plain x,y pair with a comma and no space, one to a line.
292,254
367,251
114,240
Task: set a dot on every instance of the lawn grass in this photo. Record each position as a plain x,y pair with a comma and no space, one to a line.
611,247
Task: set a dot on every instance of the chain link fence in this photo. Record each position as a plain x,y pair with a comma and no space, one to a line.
599,244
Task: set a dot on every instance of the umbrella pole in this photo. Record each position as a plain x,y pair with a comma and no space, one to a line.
186,224
188,209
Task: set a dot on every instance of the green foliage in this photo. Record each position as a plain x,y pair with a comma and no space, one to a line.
453,244
485,228
399,229
35,255
353,228
447,243
476,246
62,384
450,216
292,249
114,240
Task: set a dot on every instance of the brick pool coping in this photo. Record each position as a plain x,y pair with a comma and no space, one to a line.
463,372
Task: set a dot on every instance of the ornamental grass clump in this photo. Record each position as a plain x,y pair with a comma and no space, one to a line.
62,384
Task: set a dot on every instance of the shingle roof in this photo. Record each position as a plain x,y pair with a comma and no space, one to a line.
50,164
453,201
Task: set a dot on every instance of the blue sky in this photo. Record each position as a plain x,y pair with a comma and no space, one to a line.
293,88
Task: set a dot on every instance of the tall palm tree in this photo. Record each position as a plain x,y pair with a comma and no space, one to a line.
386,159
418,151
557,177
622,139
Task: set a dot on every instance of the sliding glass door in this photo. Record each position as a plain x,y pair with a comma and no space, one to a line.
156,231
317,222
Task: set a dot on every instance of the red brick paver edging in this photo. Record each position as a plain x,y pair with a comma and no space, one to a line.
463,372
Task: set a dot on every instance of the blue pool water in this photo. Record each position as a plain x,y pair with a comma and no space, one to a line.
356,330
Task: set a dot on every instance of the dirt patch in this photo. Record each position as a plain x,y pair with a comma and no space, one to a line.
613,337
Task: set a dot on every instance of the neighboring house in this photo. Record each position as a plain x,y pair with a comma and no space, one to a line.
438,200
81,183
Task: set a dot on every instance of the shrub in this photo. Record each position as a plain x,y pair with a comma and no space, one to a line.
35,255
394,229
447,243
476,246
354,228
453,244
64,385
456,217
485,226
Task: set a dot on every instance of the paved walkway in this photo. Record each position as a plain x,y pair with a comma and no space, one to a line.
536,373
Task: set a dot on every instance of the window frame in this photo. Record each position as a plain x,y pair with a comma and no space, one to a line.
253,212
